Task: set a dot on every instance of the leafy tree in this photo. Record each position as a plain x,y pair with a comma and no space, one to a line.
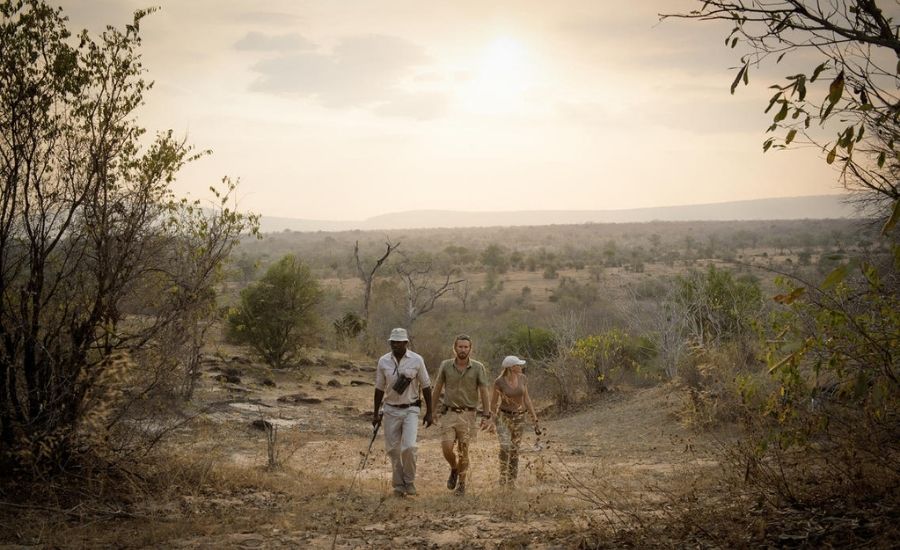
832,345
571,295
717,307
851,85
99,264
276,315
495,258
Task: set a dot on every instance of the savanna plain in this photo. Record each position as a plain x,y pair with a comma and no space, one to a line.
655,356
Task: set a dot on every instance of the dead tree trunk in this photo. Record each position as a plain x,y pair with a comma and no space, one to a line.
367,275
421,292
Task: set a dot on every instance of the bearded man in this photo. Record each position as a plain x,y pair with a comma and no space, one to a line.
465,381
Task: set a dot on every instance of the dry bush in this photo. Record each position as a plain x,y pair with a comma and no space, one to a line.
721,383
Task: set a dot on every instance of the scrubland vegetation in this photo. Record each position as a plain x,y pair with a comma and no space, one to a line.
167,378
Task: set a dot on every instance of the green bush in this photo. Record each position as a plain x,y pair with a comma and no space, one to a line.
615,355
526,341
276,315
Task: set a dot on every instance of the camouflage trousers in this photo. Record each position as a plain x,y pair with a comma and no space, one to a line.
509,434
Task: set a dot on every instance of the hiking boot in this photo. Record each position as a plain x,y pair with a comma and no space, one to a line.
411,489
399,492
460,490
451,481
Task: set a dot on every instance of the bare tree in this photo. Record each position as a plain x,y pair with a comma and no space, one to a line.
367,274
462,292
423,286
567,328
664,321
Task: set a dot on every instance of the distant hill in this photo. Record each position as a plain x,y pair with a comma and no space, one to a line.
791,208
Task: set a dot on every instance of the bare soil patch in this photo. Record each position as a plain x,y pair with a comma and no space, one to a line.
597,467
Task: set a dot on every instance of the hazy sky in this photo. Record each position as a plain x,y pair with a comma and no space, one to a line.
345,109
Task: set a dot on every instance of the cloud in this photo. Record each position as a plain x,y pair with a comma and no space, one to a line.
419,106
267,18
700,115
644,43
257,41
360,71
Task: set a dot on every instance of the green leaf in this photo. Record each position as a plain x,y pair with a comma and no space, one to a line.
767,144
790,137
831,154
871,273
772,101
881,159
836,276
818,70
892,221
783,361
801,89
836,89
782,114
738,78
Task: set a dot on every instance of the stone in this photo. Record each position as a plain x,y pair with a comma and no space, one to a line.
262,425
299,398
228,378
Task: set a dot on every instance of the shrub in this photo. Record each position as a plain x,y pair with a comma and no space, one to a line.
276,315
526,341
613,355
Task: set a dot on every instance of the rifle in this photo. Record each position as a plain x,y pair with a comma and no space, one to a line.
365,458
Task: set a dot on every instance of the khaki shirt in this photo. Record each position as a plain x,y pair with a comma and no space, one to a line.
461,388
412,366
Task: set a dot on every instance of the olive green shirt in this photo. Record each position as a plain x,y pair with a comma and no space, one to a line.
461,388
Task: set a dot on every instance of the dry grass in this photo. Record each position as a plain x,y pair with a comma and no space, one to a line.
624,472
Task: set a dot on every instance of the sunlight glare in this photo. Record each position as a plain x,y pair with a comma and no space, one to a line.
502,76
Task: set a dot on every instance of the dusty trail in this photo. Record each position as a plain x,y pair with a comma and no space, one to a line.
616,458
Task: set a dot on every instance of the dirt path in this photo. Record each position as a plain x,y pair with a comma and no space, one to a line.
619,457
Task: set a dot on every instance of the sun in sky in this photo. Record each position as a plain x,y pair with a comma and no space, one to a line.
500,77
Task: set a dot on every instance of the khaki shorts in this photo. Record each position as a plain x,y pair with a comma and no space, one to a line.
458,426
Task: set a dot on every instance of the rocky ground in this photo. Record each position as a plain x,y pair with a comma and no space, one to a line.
614,459
606,466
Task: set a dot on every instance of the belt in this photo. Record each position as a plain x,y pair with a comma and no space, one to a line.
459,409
406,405
512,413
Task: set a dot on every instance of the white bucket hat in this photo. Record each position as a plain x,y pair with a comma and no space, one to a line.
511,361
399,335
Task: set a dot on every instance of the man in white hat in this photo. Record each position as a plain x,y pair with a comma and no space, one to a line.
399,379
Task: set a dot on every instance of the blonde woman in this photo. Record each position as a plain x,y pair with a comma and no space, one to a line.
509,403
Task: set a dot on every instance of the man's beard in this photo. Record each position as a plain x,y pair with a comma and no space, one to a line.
462,354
